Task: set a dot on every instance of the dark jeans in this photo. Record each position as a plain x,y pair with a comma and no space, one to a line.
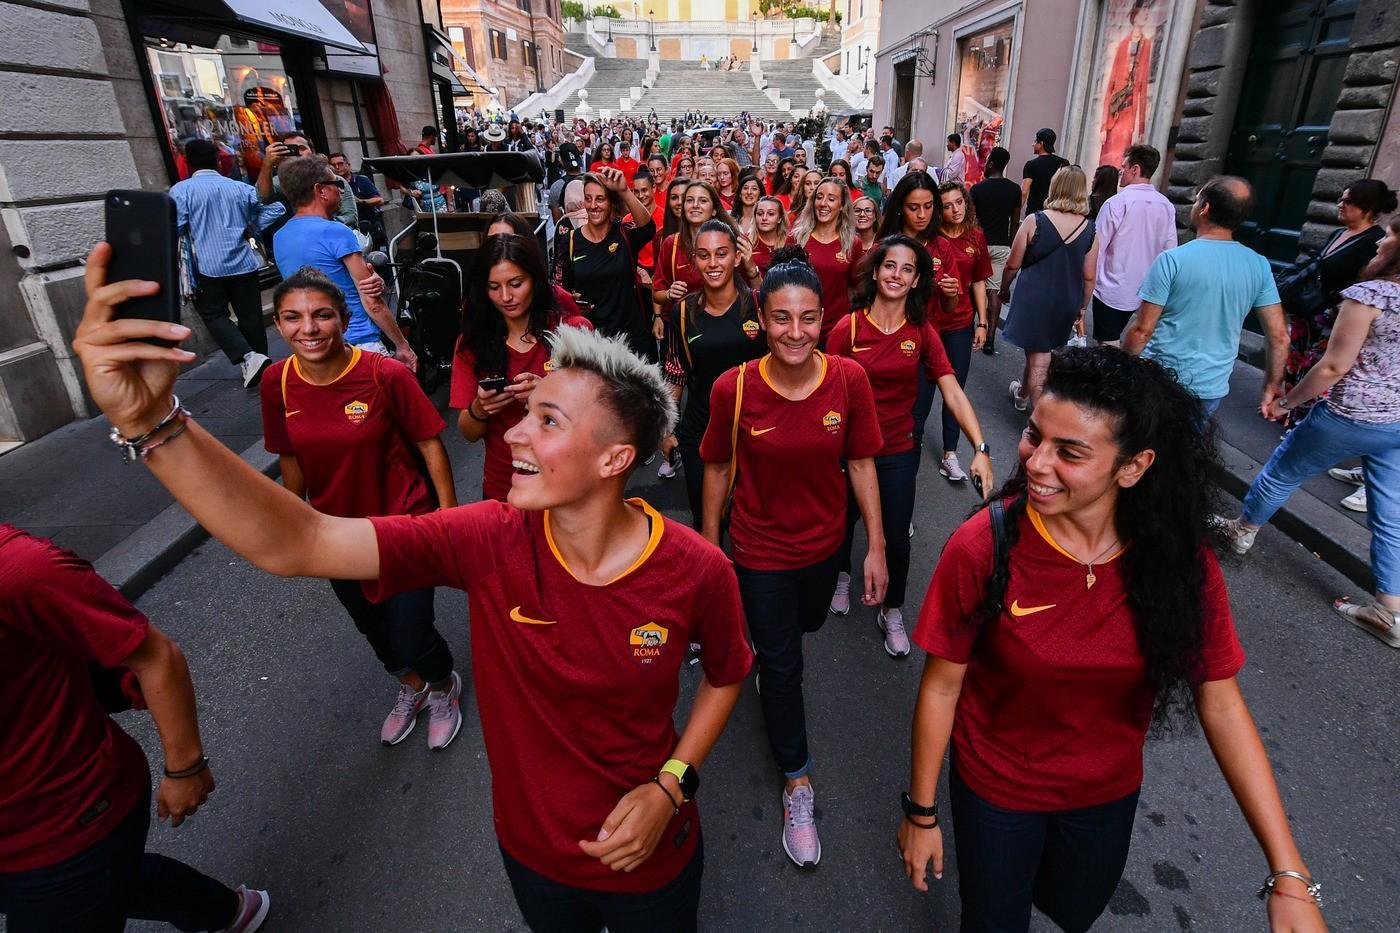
98,889
1109,322
213,297
400,630
781,606
958,345
896,474
551,907
1067,863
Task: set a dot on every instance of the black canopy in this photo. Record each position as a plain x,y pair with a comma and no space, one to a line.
463,169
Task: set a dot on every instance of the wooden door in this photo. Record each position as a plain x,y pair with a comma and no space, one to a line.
1291,85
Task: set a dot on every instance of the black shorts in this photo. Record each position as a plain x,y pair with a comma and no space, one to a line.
1109,322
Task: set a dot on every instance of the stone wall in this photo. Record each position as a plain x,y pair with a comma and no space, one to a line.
1215,71
1359,124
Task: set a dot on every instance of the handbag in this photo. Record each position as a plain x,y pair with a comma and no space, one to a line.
1300,285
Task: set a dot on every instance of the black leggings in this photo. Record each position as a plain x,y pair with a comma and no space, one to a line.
114,879
1065,862
401,630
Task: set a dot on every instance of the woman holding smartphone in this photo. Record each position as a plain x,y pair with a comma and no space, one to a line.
708,332
1081,609
356,435
502,355
891,336
795,406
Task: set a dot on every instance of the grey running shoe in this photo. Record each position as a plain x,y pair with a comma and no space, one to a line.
444,715
952,469
252,368
1240,536
891,622
800,840
404,716
841,599
1356,501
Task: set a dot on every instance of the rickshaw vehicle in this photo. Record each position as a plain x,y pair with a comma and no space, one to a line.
429,258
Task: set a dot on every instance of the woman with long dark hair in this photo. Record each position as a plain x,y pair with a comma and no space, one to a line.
841,169
708,332
1082,609
827,234
356,436
804,185
501,354
1103,187
890,335
750,189
595,257
727,182
675,276
796,407
785,177
964,329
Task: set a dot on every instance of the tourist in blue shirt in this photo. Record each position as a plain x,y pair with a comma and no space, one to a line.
312,238
1195,299
217,214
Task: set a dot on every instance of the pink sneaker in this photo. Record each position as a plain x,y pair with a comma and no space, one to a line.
800,840
252,911
404,716
445,715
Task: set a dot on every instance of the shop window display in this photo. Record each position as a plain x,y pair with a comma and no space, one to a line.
1131,37
236,93
984,84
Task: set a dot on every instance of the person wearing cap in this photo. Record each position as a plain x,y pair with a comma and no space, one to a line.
572,163
1035,177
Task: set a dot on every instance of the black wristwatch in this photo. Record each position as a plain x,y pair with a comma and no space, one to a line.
914,813
984,448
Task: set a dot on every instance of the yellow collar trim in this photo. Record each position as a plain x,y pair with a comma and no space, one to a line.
763,372
1039,524
657,525
355,353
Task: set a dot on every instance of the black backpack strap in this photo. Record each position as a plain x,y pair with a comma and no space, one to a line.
996,513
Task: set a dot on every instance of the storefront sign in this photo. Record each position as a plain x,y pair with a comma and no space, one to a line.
307,19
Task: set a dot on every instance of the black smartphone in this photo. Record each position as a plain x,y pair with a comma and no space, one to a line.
141,232
977,485
494,384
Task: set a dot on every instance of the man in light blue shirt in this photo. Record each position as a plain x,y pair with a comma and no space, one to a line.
218,213
312,238
1195,299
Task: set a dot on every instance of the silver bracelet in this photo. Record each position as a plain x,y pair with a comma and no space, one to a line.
1314,887
134,448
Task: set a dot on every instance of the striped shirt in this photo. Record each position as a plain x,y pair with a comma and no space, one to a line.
217,213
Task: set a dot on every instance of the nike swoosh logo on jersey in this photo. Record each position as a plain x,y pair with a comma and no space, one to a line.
860,349
297,412
692,339
758,432
1018,611
515,616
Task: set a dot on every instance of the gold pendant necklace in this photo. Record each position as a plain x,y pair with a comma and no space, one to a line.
1089,578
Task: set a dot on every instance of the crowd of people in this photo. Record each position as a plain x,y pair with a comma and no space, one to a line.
776,334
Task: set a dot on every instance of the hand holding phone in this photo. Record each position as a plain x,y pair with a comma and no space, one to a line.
494,383
145,246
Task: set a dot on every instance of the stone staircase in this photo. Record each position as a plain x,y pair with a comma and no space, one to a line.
612,81
793,78
683,87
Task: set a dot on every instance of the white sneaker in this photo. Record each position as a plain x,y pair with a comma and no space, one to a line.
953,470
911,529
670,466
891,622
1356,501
252,368
1241,539
841,599
1349,475
1017,398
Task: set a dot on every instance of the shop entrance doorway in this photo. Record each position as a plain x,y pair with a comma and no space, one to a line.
1291,85
902,116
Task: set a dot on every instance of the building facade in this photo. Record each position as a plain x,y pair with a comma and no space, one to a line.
103,94
1295,95
513,46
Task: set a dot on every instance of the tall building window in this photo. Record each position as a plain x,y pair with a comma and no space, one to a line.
523,5
499,49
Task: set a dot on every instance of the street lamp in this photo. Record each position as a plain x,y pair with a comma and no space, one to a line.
754,17
610,38
651,28
865,68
